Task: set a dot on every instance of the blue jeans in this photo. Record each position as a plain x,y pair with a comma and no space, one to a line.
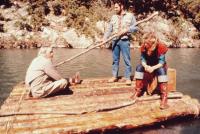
124,47
160,72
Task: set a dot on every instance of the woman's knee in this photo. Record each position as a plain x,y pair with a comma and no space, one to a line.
161,71
139,68
162,75
139,73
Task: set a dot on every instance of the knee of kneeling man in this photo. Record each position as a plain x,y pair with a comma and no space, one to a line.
37,95
64,82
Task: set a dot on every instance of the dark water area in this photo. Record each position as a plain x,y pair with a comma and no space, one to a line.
97,63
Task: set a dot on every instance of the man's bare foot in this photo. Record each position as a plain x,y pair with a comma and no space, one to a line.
77,79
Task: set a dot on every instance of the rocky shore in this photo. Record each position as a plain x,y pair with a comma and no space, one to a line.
18,30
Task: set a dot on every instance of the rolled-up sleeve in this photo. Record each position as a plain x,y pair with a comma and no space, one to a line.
161,59
109,31
51,71
133,27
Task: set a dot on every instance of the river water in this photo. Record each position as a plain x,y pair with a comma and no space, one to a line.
97,63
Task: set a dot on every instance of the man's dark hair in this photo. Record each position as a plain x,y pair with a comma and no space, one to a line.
124,3
120,2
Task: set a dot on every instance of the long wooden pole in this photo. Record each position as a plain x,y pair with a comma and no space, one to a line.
100,44
175,95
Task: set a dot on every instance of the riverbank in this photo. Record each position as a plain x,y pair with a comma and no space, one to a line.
35,44
64,24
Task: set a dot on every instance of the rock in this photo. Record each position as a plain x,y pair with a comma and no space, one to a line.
23,11
169,33
76,41
196,43
49,34
162,26
2,6
187,41
19,35
18,47
56,20
61,43
102,26
39,45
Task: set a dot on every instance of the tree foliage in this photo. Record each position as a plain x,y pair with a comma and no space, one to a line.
191,8
83,14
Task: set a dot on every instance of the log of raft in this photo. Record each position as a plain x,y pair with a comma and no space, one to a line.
92,106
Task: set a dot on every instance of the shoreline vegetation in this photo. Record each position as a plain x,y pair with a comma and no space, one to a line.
26,24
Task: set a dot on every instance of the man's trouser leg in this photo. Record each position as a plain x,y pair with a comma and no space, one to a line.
139,75
54,87
125,48
116,58
163,79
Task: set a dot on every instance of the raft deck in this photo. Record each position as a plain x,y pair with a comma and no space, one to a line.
94,106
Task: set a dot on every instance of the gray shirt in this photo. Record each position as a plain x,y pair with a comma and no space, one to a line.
116,24
40,70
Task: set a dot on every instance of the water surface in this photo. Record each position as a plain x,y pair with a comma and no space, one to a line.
97,63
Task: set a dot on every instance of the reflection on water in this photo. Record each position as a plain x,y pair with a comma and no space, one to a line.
97,63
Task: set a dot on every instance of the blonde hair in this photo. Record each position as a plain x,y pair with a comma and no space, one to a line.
149,35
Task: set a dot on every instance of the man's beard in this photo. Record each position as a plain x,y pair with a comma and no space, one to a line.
118,12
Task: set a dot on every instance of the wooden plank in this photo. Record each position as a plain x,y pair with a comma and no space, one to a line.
79,105
172,79
120,118
87,101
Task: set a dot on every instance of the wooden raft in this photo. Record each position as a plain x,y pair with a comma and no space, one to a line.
95,106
